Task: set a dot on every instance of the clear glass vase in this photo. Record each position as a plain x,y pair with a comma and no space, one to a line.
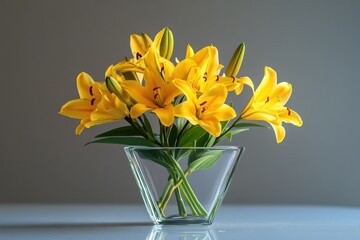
183,185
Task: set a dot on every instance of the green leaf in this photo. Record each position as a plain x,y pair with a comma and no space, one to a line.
207,140
232,132
173,135
190,135
238,128
206,160
212,141
136,141
158,157
121,131
148,126
202,142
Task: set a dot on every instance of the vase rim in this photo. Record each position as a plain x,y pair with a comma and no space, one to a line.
131,147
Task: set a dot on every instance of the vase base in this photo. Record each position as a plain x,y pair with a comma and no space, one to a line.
179,220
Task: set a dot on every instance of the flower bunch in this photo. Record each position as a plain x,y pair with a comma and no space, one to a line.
187,96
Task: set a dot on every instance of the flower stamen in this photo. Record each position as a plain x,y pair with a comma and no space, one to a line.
205,77
203,103
267,99
157,97
138,56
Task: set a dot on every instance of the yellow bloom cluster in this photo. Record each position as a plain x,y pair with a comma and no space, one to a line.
193,89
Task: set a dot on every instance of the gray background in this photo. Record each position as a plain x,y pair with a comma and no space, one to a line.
312,44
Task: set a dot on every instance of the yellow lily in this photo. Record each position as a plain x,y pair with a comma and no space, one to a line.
96,104
139,44
267,104
207,110
156,95
140,47
200,69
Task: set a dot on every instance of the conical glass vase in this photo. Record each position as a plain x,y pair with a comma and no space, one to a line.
183,185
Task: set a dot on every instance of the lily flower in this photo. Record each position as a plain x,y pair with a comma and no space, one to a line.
207,110
96,104
156,95
140,46
267,104
200,69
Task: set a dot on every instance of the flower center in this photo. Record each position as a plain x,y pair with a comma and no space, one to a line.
158,99
201,110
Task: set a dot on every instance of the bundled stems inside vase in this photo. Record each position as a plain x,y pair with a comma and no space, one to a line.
179,185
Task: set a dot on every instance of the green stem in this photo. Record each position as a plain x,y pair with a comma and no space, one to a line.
179,184
165,192
180,202
227,130
189,201
188,188
141,130
167,195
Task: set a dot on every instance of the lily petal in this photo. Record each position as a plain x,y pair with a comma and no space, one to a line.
165,115
138,109
279,132
186,89
261,115
78,108
152,58
139,93
189,51
224,113
182,69
79,128
290,116
187,110
84,81
266,86
214,97
282,92
139,44
211,125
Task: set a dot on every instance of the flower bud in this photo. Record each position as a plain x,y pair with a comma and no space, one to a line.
167,44
114,87
235,62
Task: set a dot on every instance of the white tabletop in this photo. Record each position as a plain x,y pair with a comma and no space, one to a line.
246,222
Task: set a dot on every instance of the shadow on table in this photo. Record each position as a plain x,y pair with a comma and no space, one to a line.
75,225
134,229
